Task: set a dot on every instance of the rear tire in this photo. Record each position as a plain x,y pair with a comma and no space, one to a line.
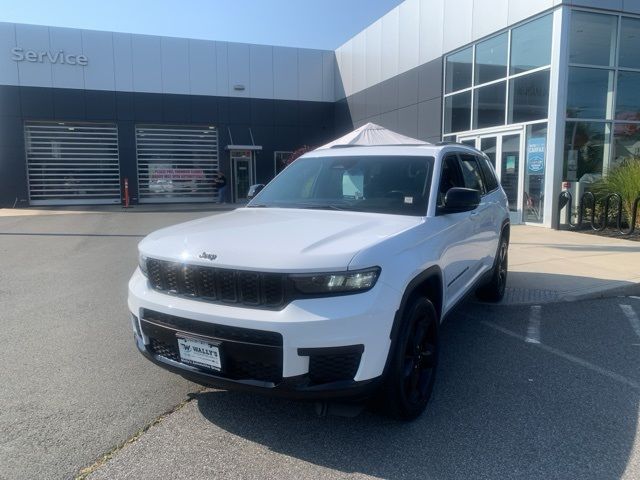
494,290
413,363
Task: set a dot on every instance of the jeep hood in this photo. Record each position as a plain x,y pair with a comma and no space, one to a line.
275,239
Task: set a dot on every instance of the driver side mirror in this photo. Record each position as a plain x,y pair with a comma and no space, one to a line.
459,199
254,190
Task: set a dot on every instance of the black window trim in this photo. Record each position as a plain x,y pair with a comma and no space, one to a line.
484,191
486,159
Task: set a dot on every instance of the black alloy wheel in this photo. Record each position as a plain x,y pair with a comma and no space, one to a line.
414,361
494,290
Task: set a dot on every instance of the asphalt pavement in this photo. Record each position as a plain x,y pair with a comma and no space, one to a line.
537,391
73,384
548,392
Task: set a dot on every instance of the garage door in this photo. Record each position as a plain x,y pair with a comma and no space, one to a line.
176,163
72,163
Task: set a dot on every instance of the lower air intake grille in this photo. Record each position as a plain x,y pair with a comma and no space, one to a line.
333,367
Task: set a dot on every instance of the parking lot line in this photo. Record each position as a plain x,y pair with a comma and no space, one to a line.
533,329
632,316
572,358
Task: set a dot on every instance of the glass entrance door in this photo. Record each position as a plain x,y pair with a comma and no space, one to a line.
504,149
242,168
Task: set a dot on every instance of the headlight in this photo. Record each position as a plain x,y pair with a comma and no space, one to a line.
338,282
142,263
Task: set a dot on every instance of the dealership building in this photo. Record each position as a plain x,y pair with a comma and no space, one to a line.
548,89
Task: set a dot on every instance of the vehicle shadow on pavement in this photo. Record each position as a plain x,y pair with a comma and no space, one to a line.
502,407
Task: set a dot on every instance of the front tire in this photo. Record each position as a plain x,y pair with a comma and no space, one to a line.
494,290
412,368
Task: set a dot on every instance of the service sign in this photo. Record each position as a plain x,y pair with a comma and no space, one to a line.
535,155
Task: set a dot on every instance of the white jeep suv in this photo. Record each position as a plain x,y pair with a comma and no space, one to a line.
332,282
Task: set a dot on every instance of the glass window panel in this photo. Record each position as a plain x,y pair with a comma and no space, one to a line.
588,92
628,96
457,112
489,105
626,142
459,70
536,160
529,97
488,146
629,43
585,147
510,168
531,45
491,59
592,38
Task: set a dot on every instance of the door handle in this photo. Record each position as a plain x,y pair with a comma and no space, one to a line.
474,216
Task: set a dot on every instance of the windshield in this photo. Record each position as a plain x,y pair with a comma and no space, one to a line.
382,184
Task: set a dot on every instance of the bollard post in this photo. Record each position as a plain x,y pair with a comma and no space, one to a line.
126,193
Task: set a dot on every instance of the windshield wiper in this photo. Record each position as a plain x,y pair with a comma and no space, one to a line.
326,206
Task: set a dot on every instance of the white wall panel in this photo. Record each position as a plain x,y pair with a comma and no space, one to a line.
390,43
239,71
489,16
409,13
8,67
222,72
147,63
310,74
338,80
328,74
123,61
345,67
69,41
175,65
521,9
202,67
285,73
261,71
99,74
373,53
359,71
431,30
458,20
33,37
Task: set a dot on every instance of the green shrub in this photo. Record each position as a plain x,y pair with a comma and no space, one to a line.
623,179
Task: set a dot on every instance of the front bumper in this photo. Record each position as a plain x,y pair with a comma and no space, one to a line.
312,333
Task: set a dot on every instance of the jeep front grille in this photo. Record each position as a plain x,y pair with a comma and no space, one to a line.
219,285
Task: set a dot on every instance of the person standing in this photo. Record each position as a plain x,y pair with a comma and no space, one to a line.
220,182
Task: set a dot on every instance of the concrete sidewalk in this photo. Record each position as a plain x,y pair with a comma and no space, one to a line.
548,266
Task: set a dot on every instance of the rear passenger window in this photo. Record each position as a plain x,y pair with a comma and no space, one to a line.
490,179
471,173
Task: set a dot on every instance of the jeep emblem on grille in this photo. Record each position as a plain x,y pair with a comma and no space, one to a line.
208,256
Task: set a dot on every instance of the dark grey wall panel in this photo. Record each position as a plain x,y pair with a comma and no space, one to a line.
409,103
100,105
408,121
430,80
408,88
430,119
68,104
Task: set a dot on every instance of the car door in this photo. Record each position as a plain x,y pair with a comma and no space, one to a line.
459,255
483,230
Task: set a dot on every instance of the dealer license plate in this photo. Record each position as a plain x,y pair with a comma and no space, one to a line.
200,353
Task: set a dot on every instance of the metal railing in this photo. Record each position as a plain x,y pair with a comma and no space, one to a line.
590,202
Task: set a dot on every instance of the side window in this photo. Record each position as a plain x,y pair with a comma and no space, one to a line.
451,177
471,173
489,176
